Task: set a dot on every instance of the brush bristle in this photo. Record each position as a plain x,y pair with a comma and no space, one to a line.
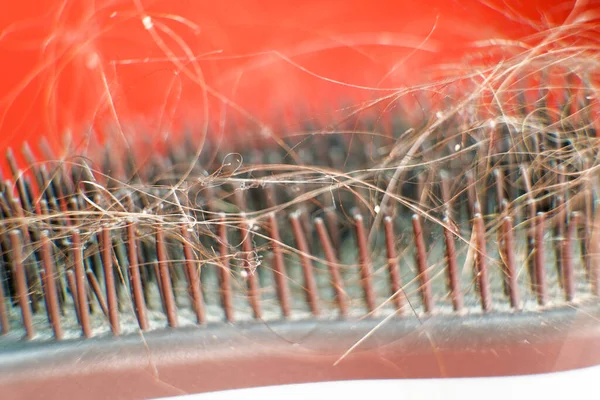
457,216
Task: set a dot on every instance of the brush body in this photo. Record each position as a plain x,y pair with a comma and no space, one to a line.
445,225
299,262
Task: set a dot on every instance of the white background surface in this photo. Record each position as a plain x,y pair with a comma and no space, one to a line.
570,385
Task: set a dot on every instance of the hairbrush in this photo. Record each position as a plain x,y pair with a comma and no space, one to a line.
376,244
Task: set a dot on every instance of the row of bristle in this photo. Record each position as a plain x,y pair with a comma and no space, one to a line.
80,282
28,221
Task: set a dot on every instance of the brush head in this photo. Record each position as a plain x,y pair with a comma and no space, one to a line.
335,222
450,229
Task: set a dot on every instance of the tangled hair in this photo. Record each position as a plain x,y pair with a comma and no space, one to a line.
517,118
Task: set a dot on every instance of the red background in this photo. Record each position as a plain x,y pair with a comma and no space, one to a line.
71,65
